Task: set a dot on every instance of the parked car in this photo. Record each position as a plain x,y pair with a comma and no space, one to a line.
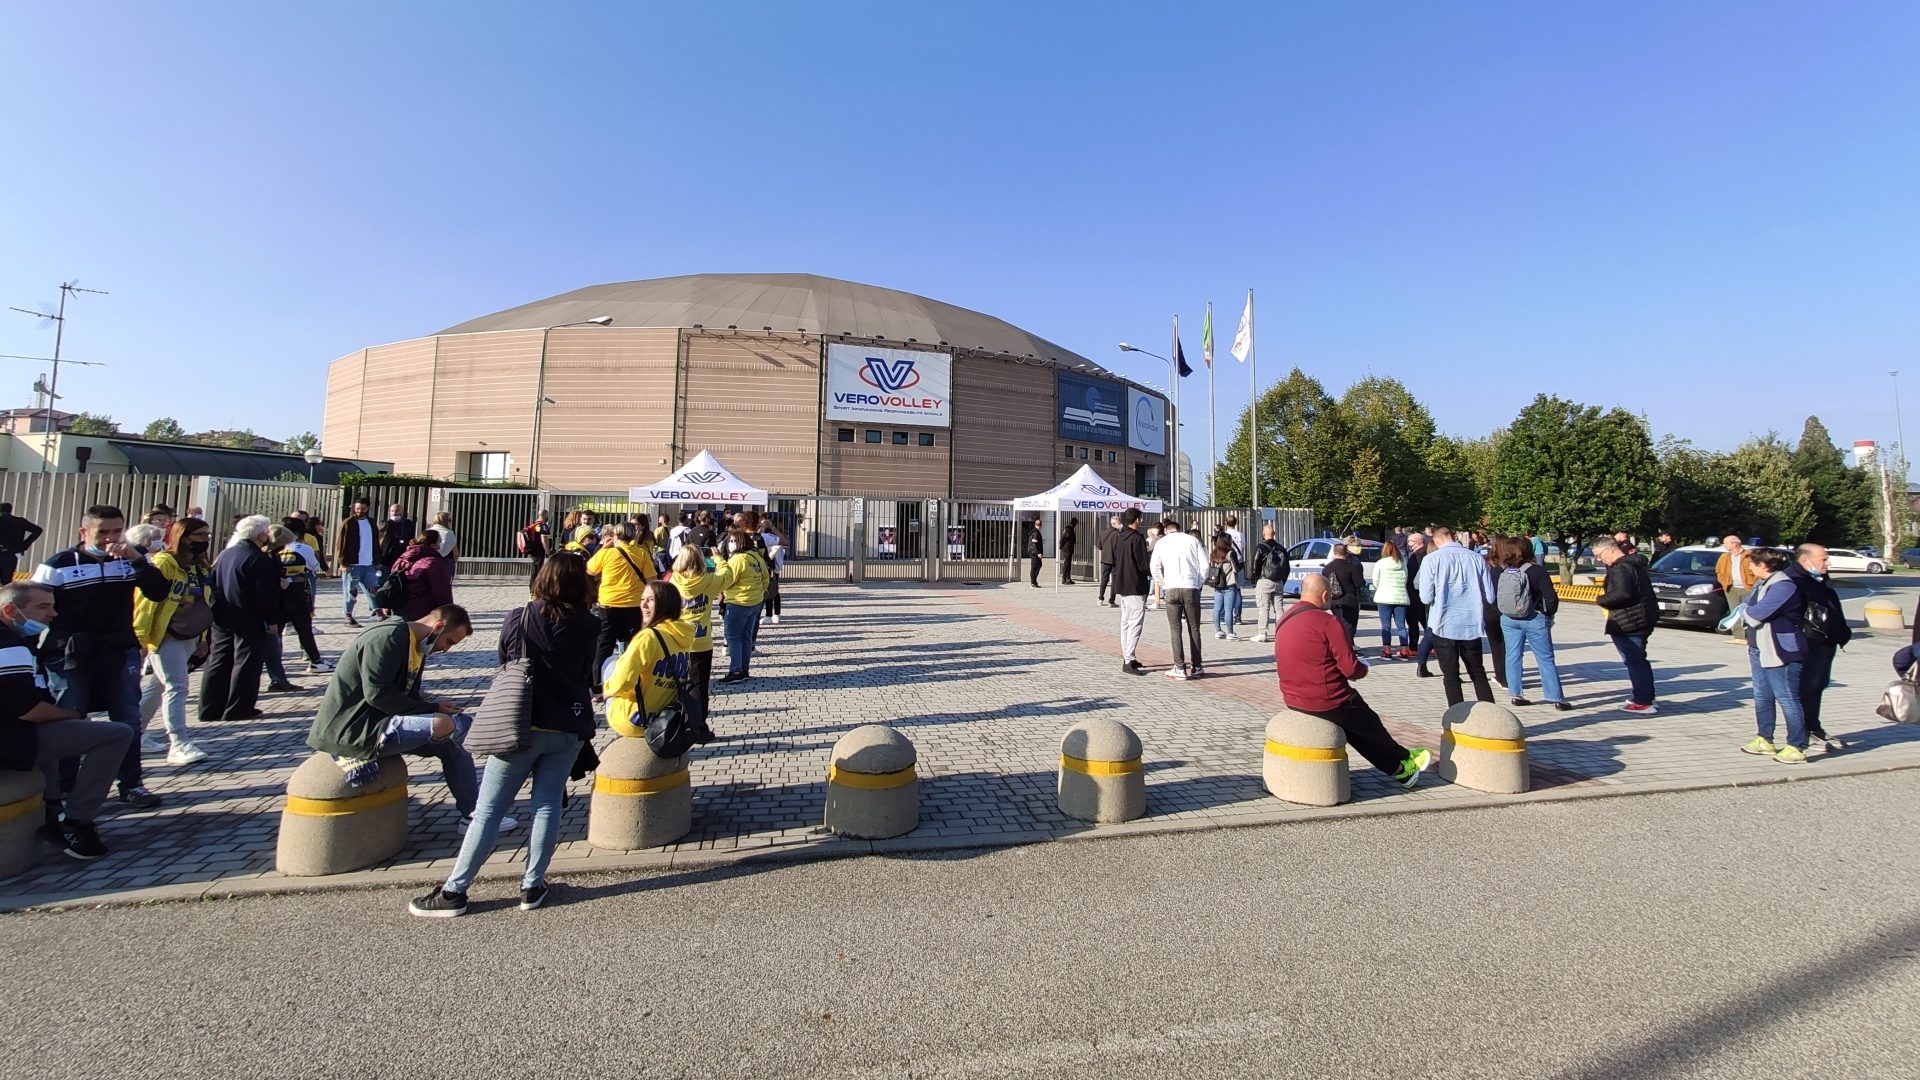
1910,558
1685,587
1855,560
1869,552
1308,556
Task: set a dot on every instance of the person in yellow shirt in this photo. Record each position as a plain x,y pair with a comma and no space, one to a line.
699,588
648,675
744,595
623,571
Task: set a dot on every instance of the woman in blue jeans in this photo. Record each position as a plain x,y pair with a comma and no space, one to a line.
1223,576
1776,648
558,634
1523,585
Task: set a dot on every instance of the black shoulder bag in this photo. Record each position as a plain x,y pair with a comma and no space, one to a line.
671,731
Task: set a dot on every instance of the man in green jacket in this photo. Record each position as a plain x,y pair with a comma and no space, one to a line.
374,706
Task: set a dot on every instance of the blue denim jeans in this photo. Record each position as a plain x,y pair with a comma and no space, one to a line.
743,629
548,759
1777,686
358,579
1392,615
106,680
1226,608
1633,653
1535,635
414,735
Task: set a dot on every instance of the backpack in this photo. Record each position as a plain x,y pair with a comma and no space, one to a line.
1514,595
392,593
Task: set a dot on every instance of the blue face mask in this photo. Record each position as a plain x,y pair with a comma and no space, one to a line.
32,628
96,552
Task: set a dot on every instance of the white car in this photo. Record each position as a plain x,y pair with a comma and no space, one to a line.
1849,559
1308,556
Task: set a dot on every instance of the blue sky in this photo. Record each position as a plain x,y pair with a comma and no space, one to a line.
1704,212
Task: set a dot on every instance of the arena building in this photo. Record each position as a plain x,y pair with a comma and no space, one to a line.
803,385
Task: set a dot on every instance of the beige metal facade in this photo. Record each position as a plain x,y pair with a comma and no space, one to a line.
625,405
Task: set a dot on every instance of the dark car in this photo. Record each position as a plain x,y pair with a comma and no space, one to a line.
1910,558
1686,588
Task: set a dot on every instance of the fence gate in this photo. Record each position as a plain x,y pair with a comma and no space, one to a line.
487,522
980,541
277,499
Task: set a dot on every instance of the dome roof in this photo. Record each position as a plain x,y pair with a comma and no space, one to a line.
785,302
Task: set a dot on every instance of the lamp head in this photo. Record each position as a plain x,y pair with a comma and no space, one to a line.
1124,347
600,320
314,456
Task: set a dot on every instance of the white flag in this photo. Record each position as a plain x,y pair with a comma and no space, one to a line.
1243,337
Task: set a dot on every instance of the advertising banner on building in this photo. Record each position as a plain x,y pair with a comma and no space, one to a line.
889,386
1091,410
1147,429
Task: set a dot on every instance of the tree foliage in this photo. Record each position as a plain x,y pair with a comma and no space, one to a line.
1572,472
1303,440
87,423
1843,497
1704,497
302,442
165,429
1777,494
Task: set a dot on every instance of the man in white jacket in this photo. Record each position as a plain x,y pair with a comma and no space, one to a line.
1180,566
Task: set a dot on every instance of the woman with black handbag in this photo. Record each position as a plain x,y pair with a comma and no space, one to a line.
555,634
649,676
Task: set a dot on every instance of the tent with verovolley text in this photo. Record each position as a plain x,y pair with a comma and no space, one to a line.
702,480
1084,490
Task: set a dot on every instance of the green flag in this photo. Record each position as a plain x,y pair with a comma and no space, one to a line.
1206,337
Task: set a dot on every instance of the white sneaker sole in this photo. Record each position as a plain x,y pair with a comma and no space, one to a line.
447,914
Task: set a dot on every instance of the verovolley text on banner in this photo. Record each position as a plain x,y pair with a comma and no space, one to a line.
893,386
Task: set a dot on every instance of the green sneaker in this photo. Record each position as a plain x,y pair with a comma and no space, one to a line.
1760,746
1410,769
1790,755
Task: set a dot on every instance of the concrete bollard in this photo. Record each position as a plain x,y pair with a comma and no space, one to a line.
22,812
329,827
872,792
1306,760
1885,615
1101,779
640,800
1484,747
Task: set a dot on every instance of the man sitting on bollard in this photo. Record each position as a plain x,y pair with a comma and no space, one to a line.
37,734
374,706
1316,665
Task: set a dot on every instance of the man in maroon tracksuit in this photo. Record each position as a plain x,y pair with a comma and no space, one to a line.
1317,666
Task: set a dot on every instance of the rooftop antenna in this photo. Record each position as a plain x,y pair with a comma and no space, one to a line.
59,319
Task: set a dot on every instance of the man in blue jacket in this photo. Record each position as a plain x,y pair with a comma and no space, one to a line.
1456,588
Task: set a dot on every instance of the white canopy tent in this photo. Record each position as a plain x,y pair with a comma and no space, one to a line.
701,480
1084,490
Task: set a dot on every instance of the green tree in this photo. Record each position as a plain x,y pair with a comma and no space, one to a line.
1778,494
1480,455
1843,497
1303,440
88,423
238,440
1384,418
1571,472
1704,497
1453,492
302,442
165,429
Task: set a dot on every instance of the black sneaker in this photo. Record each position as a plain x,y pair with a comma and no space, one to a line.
1134,665
75,839
139,798
534,897
440,904
1563,706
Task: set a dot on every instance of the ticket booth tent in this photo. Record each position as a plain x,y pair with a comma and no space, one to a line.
701,480
1084,491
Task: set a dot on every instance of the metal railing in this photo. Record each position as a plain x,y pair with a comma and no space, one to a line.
57,501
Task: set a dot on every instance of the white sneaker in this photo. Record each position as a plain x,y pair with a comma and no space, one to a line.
1231,636
151,743
318,667
1259,637
185,753
507,823
774,619
1220,635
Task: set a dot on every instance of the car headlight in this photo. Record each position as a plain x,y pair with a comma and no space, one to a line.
1702,589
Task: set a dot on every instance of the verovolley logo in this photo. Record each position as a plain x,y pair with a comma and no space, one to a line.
704,477
1096,489
889,375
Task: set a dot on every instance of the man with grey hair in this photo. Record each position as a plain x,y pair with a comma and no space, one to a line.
37,734
246,616
1824,628
1632,614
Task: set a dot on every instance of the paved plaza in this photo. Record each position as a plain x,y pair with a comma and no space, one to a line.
984,678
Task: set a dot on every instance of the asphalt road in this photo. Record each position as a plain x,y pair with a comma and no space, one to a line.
1768,931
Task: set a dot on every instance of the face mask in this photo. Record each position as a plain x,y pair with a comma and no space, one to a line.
32,628
95,551
199,547
395,517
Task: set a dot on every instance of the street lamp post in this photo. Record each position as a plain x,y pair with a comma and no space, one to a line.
314,458
1173,422
540,398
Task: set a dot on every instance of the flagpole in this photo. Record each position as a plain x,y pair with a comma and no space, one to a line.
1174,420
1213,445
1253,391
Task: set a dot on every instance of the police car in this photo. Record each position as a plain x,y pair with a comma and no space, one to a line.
1308,556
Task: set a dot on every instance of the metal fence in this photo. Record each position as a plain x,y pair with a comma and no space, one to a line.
56,501
228,500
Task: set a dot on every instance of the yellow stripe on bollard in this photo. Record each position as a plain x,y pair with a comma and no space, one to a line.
15,810
1099,768
652,785
341,807
1475,742
1306,753
870,781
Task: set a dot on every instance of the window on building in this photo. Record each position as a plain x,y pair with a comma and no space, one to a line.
926,438
899,438
1067,452
488,465
1110,457
873,436
846,434
1083,453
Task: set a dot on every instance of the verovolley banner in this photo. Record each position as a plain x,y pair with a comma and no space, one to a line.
1090,410
895,386
1148,429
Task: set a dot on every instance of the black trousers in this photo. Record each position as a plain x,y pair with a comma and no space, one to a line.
1816,671
700,685
1416,624
1452,651
1366,734
1066,566
1034,577
617,627
230,683
1497,643
539,560
1349,618
297,606
1183,604
1106,581
9,563
773,595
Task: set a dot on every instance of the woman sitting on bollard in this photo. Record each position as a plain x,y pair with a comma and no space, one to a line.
699,588
556,634
648,675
